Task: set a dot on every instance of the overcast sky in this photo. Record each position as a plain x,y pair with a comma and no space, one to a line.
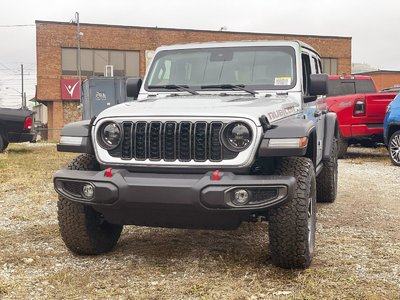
374,26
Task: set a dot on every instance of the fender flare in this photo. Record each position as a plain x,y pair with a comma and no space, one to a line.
331,132
81,131
289,128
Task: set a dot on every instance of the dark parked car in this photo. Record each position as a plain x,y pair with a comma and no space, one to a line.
15,127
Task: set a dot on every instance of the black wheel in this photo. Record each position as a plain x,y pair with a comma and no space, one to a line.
3,143
327,179
342,146
292,225
394,148
84,230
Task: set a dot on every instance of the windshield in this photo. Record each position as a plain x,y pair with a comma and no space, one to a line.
261,68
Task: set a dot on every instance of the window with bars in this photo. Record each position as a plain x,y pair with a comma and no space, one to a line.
93,62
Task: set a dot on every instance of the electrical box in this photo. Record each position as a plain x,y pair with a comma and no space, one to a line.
99,93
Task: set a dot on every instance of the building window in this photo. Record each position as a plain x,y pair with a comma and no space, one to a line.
93,62
330,66
100,61
87,62
132,63
68,62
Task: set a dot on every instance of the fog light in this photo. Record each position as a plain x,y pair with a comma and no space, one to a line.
88,191
241,197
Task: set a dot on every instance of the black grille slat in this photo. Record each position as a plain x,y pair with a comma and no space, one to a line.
215,143
133,139
155,138
200,141
170,139
185,141
141,140
127,141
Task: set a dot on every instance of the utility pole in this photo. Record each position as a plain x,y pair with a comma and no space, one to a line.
22,86
78,37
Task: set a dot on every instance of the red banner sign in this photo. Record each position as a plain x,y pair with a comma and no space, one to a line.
70,89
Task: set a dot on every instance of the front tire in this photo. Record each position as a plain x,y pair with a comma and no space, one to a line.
327,179
394,148
292,225
3,143
84,230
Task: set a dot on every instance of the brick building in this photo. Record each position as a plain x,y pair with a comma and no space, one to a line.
384,78
127,48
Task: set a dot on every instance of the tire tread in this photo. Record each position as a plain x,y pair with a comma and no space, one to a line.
288,226
82,228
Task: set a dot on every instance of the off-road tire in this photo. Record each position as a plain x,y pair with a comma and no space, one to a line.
3,143
84,230
394,148
342,146
327,179
292,224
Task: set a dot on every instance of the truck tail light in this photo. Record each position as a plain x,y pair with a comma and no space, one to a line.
359,107
28,123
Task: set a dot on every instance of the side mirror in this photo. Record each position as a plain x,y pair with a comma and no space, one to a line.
318,84
133,86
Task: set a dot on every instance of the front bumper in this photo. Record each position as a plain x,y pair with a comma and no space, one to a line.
174,200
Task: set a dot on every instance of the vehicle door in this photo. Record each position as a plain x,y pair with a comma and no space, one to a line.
316,109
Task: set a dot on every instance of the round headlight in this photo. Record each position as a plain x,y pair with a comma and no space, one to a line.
110,135
237,136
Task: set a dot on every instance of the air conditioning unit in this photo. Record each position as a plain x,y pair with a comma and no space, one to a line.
109,71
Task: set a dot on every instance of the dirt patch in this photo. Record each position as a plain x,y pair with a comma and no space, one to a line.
357,256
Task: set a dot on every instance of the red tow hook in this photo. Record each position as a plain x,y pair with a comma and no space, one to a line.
216,175
108,172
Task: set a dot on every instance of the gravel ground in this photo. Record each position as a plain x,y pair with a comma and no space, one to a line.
357,256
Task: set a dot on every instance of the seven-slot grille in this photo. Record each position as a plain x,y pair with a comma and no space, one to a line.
170,141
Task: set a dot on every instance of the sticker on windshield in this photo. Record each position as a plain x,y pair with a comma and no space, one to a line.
283,80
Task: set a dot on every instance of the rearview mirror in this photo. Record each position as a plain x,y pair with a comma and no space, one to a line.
133,86
318,84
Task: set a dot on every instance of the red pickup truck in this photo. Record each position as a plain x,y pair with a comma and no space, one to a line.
360,109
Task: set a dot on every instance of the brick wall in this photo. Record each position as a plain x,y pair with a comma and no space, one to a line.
386,79
52,36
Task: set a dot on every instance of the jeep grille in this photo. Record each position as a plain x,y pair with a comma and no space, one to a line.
170,141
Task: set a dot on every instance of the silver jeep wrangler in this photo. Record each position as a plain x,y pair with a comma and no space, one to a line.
220,134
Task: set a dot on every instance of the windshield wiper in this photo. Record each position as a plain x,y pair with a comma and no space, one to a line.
174,87
229,86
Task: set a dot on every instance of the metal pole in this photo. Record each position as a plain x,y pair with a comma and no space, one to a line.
22,85
78,37
24,102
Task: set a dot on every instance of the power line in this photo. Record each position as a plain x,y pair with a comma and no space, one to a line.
8,69
18,25
18,70
28,75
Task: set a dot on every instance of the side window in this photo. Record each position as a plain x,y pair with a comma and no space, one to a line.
317,70
306,65
365,86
